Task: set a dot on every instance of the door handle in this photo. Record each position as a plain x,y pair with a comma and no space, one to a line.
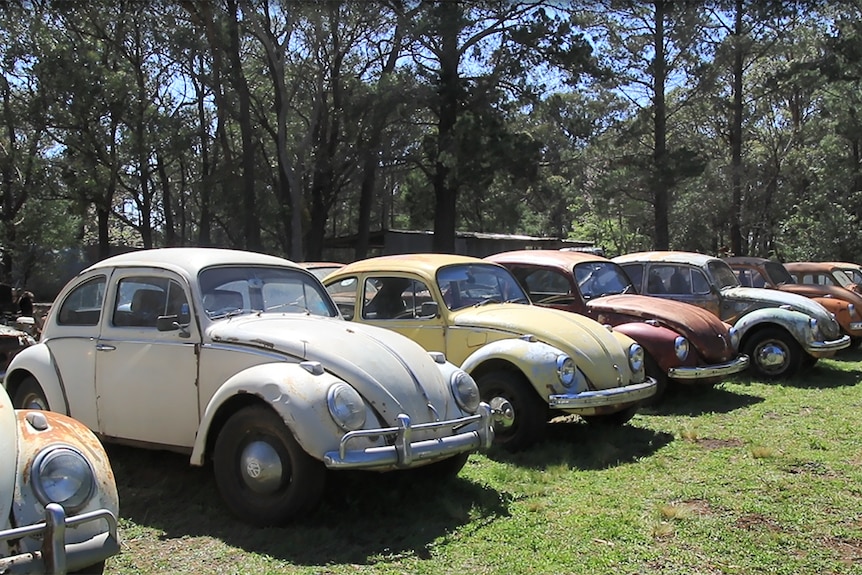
104,347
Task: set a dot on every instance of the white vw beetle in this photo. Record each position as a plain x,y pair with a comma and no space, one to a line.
242,359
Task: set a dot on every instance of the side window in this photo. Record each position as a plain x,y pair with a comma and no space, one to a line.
744,277
343,293
397,298
83,305
542,284
700,285
141,300
679,282
636,274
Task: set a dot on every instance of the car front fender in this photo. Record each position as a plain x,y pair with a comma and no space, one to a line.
657,341
536,360
795,322
36,361
294,392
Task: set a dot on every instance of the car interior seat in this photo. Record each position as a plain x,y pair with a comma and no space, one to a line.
147,305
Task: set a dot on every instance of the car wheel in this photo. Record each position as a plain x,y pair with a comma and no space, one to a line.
529,411
262,473
29,395
616,419
774,353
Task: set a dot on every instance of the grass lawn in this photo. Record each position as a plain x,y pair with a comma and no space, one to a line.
745,478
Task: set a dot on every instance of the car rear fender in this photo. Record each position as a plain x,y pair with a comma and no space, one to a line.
537,361
41,366
296,393
796,323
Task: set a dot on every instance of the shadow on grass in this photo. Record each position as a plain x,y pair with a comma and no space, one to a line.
696,400
578,445
844,370
364,517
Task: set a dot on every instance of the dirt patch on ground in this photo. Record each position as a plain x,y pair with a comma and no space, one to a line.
756,521
849,551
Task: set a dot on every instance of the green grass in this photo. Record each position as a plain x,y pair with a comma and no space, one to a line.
744,478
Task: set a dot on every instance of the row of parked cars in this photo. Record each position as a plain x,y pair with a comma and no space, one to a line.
246,361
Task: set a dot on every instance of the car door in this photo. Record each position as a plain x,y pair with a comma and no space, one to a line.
406,305
146,379
75,332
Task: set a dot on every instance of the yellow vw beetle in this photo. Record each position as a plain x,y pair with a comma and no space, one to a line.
532,362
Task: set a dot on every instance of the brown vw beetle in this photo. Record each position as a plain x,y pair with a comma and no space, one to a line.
683,343
822,273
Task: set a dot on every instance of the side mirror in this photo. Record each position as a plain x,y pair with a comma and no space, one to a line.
429,309
171,323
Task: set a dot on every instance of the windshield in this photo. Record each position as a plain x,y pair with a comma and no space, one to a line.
722,274
464,285
842,279
596,279
232,290
778,273
854,274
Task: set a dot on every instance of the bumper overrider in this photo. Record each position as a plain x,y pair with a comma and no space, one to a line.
404,452
827,348
598,398
709,371
56,556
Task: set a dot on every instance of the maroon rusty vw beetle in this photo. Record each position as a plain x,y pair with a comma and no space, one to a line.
683,343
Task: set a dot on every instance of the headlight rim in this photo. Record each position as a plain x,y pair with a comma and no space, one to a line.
38,475
469,404
681,347
567,377
333,396
734,338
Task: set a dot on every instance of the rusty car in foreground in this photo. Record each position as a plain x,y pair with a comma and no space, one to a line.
241,360
844,304
58,497
684,344
540,361
780,332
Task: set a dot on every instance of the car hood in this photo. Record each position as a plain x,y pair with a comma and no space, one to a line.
596,350
394,374
9,449
702,328
765,298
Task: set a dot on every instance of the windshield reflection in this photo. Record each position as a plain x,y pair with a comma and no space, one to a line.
597,279
463,285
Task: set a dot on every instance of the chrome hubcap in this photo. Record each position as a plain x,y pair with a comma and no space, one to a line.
502,412
771,355
260,467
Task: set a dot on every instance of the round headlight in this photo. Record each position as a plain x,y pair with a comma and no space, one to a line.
734,338
63,475
851,309
636,357
346,407
680,347
465,390
566,370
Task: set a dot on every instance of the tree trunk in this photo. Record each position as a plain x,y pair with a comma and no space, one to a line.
736,244
660,181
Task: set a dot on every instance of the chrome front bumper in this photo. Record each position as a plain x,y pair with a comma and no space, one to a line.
592,399
404,452
56,557
827,348
709,371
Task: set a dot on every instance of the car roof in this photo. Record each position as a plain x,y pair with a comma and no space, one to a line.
189,260
811,266
424,263
548,258
677,257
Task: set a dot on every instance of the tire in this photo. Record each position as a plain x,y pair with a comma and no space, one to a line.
774,353
653,370
295,484
29,395
530,411
615,419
